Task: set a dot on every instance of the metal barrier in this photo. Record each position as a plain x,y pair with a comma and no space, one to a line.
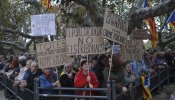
156,82
19,94
171,71
109,93
132,94
40,96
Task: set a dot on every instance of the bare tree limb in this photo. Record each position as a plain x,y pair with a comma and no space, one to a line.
14,45
169,41
29,43
140,14
8,30
136,17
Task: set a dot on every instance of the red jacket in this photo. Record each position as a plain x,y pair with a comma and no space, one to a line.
80,81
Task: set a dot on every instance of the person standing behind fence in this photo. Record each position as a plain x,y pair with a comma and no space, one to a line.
83,79
34,72
67,80
169,57
130,77
117,74
99,68
23,69
48,81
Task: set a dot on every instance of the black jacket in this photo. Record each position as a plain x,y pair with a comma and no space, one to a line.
67,82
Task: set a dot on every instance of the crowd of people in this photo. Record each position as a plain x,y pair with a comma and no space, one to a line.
92,73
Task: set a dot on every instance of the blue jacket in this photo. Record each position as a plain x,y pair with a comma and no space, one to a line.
45,83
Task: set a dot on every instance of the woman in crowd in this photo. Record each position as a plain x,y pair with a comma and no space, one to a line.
85,79
67,80
48,80
117,74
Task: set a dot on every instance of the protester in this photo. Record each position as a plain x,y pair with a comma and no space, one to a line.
23,68
169,57
130,77
85,79
99,68
48,80
117,74
33,73
67,80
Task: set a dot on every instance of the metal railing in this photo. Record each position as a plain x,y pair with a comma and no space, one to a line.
39,96
109,93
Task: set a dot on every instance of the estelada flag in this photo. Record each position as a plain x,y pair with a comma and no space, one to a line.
151,23
46,3
171,20
146,91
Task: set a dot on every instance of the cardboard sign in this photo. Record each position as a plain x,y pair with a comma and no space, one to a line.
139,34
43,24
116,49
114,28
84,40
51,54
133,50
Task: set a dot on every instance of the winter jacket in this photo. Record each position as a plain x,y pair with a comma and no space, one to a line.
30,78
98,70
80,81
117,75
46,84
65,81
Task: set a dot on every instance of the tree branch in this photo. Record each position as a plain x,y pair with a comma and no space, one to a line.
136,17
94,7
13,44
140,14
169,41
8,30
29,43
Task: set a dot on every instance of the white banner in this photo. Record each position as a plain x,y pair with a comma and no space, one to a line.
42,25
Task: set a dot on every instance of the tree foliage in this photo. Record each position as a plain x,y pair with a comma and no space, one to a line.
15,17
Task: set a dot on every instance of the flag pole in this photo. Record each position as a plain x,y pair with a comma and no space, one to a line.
109,75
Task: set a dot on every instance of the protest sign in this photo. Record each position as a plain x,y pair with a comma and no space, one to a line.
43,24
114,28
139,34
51,54
132,50
84,40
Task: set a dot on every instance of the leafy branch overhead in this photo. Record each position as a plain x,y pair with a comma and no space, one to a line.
15,16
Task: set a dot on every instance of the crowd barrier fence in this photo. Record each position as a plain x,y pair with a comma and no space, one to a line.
109,93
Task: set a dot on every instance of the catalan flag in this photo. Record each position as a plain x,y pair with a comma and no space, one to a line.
171,20
152,25
46,3
146,91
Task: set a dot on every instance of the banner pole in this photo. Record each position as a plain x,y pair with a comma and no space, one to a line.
57,73
88,64
109,75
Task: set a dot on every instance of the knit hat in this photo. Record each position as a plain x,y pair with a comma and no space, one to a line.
67,65
82,60
22,58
